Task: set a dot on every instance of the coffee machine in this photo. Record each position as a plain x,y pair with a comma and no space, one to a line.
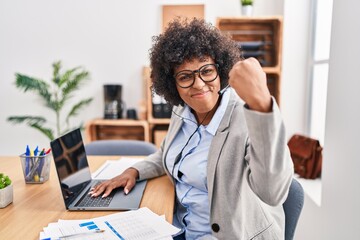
114,105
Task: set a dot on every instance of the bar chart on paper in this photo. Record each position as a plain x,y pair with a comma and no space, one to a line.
129,227
138,224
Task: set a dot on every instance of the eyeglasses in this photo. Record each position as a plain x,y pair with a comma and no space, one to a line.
207,73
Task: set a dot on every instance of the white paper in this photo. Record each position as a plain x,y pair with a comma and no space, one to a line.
112,168
141,224
138,224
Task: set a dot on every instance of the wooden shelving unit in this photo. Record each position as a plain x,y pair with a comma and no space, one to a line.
150,129
158,126
260,37
264,31
99,129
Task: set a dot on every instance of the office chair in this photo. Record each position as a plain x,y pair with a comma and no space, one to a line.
292,208
120,147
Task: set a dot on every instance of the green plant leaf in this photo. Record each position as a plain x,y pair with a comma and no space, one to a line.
74,83
246,2
46,131
7,181
26,119
4,181
55,96
34,122
56,67
35,85
71,86
76,108
66,77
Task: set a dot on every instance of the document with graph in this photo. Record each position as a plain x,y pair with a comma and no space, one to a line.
131,225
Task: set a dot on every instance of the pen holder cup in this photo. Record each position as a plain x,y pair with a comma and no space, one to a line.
35,169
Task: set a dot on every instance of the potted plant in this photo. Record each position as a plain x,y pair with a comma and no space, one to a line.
6,190
246,7
56,96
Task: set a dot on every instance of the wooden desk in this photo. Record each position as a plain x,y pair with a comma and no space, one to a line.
36,205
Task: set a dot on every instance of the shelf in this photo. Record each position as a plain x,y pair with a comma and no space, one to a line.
312,188
99,129
265,31
159,121
259,37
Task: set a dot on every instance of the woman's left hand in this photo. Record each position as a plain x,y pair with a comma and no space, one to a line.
248,79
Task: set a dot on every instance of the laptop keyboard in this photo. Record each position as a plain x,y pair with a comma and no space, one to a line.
88,201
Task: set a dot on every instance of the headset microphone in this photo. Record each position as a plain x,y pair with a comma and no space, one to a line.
221,92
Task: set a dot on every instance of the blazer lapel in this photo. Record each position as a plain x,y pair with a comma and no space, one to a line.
219,140
176,123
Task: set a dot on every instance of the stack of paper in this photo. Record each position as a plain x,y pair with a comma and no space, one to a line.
137,224
112,168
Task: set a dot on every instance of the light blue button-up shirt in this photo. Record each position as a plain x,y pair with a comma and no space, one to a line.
193,214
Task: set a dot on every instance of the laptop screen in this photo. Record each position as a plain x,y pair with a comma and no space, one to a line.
71,164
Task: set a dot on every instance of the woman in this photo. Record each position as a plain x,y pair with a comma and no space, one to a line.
225,149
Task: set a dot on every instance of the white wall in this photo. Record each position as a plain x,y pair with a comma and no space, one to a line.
337,218
294,85
109,38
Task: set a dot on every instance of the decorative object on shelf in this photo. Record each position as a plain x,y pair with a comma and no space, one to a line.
55,96
247,7
160,108
306,154
131,114
6,190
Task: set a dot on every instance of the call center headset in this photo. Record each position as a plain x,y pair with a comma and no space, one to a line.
178,157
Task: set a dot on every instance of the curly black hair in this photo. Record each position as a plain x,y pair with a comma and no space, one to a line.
185,40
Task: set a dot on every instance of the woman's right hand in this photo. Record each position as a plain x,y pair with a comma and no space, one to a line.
127,180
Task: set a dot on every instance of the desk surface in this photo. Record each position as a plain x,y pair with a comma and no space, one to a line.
36,205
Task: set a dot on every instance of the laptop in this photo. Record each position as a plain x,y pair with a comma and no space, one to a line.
75,178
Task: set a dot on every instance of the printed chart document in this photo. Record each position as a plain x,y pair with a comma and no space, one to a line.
131,225
112,168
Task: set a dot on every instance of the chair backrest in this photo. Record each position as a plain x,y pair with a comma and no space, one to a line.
292,208
120,147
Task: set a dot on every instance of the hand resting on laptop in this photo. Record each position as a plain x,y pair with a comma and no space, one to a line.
127,180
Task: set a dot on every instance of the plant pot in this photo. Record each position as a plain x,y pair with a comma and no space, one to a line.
247,10
6,196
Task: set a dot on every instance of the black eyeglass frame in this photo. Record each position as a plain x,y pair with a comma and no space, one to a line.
198,71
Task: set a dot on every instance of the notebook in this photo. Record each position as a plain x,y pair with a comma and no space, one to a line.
75,178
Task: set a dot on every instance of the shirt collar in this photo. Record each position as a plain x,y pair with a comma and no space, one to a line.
189,118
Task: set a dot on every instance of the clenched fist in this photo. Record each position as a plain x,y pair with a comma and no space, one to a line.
249,81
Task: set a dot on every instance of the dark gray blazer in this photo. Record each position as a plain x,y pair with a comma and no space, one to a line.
248,174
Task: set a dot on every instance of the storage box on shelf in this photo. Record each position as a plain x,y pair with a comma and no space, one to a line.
261,38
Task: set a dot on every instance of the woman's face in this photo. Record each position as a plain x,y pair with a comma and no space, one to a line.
201,96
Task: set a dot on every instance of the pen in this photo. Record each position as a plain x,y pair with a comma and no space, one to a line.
82,233
41,163
32,161
36,151
48,151
29,175
27,160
